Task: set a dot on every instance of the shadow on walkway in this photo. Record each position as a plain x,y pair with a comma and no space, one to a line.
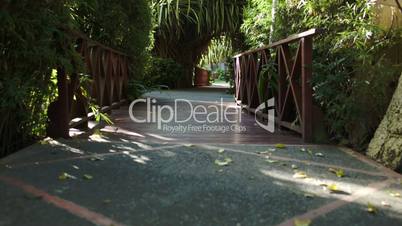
133,174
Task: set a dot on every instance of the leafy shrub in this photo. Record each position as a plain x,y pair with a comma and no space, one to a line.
228,75
163,71
354,72
135,89
31,44
121,24
34,41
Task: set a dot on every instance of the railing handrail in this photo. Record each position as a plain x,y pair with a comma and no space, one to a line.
290,39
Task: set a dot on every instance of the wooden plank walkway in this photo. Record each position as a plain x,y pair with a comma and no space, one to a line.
251,133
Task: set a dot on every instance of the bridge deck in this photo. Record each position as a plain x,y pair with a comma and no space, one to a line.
244,132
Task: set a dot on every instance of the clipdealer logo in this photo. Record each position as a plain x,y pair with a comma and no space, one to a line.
216,117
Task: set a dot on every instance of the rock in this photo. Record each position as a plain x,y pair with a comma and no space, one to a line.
386,146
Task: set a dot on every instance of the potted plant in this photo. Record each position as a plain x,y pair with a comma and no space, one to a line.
201,77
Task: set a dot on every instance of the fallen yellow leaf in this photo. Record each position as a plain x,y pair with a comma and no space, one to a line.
280,146
302,222
337,172
371,209
333,187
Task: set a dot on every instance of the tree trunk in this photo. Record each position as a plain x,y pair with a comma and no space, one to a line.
386,146
186,60
273,16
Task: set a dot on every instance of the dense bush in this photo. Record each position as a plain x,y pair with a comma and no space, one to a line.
34,40
122,24
163,71
31,45
354,74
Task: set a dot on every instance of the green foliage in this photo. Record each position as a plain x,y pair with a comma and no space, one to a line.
34,41
218,50
186,28
228,75
164,71
121,24
135,89
354,72
31,45
256,24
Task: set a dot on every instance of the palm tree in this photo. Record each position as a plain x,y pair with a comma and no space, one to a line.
186,27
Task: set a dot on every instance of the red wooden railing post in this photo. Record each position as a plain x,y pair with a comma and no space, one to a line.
294,99
307,91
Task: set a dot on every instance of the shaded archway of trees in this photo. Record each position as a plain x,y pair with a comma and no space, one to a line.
186,28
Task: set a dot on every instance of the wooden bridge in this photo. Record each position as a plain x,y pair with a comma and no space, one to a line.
134,174
107,71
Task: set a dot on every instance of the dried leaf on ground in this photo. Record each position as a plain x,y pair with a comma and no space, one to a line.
280,146
87,177
338,172
66,176
96,158
302,222
319,154
220,151
371,209
75,167
333,188
300,175
395,194
225,162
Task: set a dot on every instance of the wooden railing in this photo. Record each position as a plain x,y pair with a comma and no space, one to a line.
108,71
293,90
